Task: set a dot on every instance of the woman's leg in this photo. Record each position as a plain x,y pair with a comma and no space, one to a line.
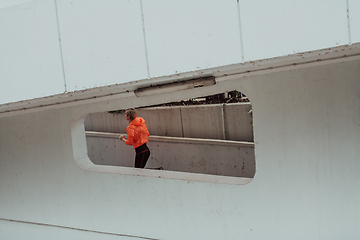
142,156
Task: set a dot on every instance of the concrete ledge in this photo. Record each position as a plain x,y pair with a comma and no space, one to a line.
176,139
198,177
83,161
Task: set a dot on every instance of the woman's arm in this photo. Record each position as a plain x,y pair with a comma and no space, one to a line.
130,134
129,141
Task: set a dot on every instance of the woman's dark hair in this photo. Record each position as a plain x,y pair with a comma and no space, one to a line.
131,112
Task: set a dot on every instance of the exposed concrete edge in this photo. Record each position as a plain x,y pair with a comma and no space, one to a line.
176,139
222,73
197,177
198,106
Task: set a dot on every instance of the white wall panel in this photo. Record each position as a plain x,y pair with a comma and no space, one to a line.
102,42
354,10
190,35
10,3
29,52
282,27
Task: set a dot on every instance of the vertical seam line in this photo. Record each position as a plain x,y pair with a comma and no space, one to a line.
240,31
144,36
60,45
223,116
348,19
182,127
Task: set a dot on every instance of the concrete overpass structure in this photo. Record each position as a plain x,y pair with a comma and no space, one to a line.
298,62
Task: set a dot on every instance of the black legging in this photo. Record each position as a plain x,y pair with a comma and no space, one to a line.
142,155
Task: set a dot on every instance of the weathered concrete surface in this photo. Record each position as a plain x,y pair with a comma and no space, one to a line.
177,154
203,121
162,121
306,186
238,122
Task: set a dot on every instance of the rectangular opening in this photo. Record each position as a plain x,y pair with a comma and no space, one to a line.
210,137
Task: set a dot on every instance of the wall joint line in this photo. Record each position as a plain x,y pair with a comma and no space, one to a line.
60,44
145,43
223,120
348,20
240,32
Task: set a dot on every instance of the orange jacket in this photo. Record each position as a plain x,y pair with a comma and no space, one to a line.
137,133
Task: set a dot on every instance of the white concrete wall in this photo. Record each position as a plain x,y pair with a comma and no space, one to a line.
225,158
203,121
30,56
306,130
354,20
52,47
